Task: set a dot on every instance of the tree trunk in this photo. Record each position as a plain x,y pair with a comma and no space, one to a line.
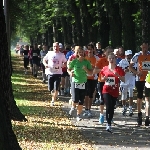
8,140
50,36
103,31
78,26
128,25
114,22
64,29
69,27
145,6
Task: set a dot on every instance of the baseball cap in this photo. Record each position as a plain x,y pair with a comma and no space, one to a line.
128,52
115,51
60,45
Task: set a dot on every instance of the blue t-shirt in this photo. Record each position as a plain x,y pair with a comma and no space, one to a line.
69,54
118,60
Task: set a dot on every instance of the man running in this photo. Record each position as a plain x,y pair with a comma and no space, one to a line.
129,84
91,80
54,61
142,59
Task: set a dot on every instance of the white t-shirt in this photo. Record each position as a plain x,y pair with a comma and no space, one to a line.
55,62
129,77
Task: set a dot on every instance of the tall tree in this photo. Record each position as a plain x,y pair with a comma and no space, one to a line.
128,24
145,6
115,23
8,140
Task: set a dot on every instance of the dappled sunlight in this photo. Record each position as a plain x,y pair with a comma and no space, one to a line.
47,127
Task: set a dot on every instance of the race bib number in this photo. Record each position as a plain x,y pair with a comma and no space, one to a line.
146,65
34,54
55,69
110,81
80,85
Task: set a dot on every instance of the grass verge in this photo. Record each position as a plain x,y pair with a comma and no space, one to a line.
48,128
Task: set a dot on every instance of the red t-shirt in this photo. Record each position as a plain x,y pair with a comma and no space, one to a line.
111,86
72,57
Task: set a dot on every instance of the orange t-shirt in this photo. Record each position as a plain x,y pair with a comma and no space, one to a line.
100,64
92,61
143,65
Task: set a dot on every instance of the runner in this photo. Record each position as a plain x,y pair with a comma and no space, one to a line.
91,81
64,87
54,61
129,83
35,54
26,58
142,59
71,52
71,58
30,59
78,70
43,52
98,67
112,75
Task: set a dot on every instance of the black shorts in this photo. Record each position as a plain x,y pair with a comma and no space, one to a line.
140,88
78,95
65,74
35,61
54,82
26,62
147,92
91,86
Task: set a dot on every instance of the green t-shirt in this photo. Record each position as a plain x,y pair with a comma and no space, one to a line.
80,75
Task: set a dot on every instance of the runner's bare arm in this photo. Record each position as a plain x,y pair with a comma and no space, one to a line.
45,63
131,68
89,71
70,72
104,78
96,70
64,65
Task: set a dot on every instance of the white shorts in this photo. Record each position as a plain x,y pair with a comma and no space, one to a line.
125,89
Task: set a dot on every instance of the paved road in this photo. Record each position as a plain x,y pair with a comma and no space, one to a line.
126,133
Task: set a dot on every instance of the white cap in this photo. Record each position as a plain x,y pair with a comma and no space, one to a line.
115,51
60,45
128,52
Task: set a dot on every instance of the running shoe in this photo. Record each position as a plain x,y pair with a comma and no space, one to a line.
131,113
89,113
85,113
124,111
79,118
52,104
108,129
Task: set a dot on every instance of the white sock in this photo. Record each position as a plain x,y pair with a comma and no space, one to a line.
130,107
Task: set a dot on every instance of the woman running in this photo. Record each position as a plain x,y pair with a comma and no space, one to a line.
111,74
78,70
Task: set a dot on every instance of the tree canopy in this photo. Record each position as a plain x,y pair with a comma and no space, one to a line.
112,22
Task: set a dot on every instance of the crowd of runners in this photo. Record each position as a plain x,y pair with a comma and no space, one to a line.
90,75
